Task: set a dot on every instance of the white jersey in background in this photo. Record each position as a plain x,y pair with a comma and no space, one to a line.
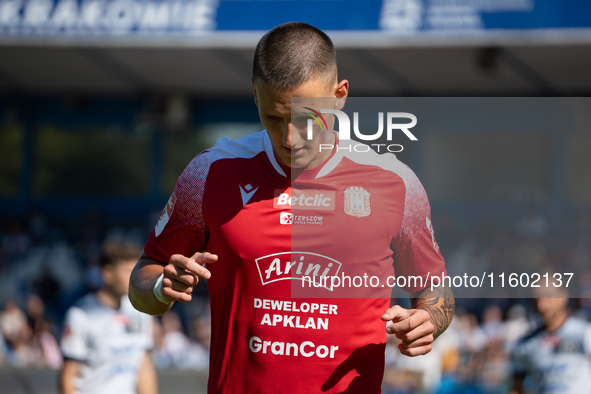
109,344
558,362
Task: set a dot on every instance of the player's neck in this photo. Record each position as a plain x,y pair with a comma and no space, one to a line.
324,154
314,166
108,298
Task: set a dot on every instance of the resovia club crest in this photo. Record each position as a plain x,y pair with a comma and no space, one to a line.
357,202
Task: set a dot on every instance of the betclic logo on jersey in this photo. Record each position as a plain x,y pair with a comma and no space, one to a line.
296,265
319,200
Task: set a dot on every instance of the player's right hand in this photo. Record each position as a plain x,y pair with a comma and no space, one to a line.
182,273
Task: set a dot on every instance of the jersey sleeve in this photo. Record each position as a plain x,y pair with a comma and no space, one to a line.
73,342
181,228
416,252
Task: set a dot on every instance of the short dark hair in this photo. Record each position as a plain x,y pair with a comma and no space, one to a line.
293,53
113,252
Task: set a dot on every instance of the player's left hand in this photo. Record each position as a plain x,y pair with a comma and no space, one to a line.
413,327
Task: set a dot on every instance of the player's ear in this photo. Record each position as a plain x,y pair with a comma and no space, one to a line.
341,91
254,91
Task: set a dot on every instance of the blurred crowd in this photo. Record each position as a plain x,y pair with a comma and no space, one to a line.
45,267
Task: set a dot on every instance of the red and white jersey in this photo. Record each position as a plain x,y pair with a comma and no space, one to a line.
356,214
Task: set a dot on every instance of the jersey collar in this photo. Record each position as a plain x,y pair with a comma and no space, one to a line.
323,169
271,154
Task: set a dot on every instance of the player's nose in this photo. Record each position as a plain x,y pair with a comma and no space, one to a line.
290,135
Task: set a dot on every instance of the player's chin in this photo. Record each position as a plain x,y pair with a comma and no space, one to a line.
296,162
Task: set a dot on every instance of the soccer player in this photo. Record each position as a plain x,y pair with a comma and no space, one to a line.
230,211
105,341
555,357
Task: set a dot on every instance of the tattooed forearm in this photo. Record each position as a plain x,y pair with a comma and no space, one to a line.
440,304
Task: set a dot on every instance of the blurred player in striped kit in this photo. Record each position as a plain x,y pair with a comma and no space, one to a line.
105,341
555,357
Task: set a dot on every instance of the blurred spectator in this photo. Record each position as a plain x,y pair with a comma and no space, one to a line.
450,362
492,323
398,380
159,356
516,326
494,368
556,357
177,347
13,324
35,311
421,374
199,329
28,335
105,341
51,355
174,342
44,350
473,338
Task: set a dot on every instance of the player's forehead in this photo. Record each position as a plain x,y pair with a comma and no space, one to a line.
272,98
274,101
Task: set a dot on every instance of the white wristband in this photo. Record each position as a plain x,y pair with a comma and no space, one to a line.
158,290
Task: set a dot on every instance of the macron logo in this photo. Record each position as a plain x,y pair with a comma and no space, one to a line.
247,192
